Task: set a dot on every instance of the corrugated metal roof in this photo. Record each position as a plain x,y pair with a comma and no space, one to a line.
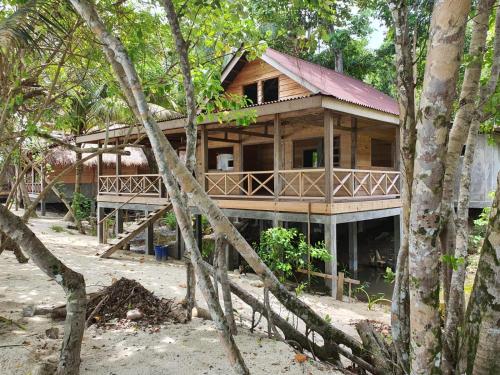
338,85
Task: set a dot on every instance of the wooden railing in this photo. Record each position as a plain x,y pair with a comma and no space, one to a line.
358,183
240,184
302,184
146,185
34,187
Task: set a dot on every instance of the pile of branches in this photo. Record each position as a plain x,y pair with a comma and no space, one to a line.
112,304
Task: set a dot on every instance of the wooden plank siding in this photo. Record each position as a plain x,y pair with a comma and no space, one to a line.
258,71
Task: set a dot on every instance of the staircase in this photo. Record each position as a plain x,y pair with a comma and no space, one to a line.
132,231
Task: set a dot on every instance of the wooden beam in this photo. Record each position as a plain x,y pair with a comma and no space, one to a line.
354,141
328,124
214,139
204,153
244,132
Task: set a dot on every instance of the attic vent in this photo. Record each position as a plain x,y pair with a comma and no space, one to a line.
250,91
270,90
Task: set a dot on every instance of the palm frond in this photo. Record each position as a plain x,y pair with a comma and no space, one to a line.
31,23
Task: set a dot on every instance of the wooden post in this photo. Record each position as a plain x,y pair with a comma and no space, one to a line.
42,186
354,141
353,248
331,244
204,155
397,152
99,168
119,213
340,287
328,154
277,155
100,226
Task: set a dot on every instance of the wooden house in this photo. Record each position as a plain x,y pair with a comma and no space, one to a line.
322,155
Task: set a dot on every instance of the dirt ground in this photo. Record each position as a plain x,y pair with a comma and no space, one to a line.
191,348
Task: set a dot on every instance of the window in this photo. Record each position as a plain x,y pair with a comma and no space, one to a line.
270,90
250,91
382,153
310,158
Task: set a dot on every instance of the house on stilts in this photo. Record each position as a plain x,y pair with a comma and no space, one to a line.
322,156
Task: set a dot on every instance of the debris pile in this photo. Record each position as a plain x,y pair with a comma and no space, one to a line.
126,300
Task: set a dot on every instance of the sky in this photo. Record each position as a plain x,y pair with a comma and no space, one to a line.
377,36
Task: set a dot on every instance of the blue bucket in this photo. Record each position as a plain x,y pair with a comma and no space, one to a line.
164,252
159,252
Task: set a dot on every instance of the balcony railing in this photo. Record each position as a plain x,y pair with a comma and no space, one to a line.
299,184
34,187
141,185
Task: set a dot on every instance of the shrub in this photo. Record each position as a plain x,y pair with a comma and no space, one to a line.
170,220
82,206
57,228
285,251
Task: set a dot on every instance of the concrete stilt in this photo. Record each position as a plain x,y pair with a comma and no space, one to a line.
180,243
118,222
100,227
149,237
43,207
331,244
353,248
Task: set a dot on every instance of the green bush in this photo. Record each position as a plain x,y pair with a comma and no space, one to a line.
170,220
82,206
478,230
285,251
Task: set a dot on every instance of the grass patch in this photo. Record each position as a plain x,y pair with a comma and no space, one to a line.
57,228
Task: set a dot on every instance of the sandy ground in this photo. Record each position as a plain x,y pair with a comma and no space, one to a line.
176,349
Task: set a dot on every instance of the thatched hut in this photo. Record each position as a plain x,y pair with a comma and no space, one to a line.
132,163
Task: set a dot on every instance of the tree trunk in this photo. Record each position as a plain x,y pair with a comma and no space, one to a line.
170,165
460,129
444,53
455,312
220,255
483,310
71,281
191,133
400,307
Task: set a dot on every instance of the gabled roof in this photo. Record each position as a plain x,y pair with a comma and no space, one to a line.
321,80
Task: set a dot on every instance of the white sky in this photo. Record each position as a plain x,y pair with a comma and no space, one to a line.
377,36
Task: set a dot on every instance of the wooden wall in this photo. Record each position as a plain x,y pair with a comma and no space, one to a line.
311,127
258,71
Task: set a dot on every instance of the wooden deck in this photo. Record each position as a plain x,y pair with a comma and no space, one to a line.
296,190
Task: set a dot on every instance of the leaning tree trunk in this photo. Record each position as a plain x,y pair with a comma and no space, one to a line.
400,307
444,53
455,310
170,165
191,132
483,310
71,281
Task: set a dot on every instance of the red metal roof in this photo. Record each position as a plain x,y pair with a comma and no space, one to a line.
330,82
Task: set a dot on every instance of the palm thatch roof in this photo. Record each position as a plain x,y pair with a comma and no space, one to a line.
59,156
